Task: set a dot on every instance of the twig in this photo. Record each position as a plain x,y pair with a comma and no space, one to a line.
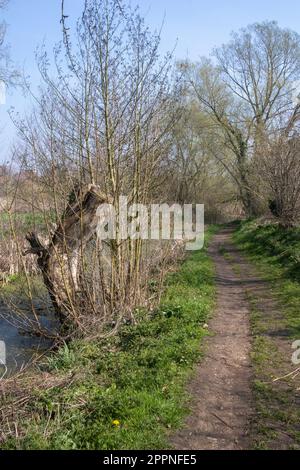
293,374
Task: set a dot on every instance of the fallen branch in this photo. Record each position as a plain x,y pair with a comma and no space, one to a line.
292,374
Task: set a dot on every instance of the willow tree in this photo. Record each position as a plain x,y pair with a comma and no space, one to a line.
246,89
102,122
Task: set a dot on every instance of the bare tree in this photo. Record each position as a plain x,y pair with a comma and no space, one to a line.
104,123
246,92
279,166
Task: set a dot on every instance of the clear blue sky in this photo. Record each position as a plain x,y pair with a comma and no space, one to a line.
198,25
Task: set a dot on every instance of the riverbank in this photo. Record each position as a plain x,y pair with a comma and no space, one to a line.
128,391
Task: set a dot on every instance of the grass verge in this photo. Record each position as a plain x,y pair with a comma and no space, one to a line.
126,392
274,252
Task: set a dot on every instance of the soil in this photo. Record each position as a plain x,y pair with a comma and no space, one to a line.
223,411
221,388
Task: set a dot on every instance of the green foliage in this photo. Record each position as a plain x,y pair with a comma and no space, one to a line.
281,246
24,222
16,288
128,391
274,252
63,360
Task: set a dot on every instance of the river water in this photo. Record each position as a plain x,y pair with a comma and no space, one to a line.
21,347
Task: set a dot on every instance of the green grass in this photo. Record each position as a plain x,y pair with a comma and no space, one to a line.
274,253
24,222
27,219
127,392
15,289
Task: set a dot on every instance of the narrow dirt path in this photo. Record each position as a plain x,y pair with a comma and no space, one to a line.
222,405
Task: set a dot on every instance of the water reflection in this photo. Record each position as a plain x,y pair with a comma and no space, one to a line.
21,346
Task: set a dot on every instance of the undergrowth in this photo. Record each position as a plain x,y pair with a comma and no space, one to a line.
128,391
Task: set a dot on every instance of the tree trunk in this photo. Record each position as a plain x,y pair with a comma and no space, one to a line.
247,196
58,261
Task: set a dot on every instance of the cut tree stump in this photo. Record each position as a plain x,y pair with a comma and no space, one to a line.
58,260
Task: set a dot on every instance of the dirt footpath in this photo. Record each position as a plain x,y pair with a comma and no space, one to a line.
222,404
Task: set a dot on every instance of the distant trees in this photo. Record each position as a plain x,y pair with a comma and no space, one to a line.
189,160
193,174
114,120
246,91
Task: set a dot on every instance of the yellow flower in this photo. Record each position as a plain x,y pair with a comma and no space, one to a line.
116,423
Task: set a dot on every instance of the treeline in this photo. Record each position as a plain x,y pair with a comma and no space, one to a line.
118,118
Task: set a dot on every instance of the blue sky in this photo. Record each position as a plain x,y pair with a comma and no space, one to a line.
197,25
